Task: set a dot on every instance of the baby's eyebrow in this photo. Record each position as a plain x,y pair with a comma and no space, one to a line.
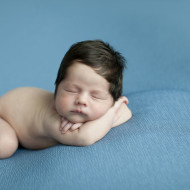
71,85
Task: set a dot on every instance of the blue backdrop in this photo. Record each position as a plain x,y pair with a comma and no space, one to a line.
152,35
149,152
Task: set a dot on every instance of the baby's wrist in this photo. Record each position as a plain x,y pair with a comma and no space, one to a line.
112,113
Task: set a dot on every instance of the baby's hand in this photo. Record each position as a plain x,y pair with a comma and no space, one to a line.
119,102
67,125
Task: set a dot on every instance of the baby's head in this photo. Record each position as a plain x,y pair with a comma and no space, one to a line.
94,68
102,58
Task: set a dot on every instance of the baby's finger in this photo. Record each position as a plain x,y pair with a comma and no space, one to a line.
125,99
63,124
66,127
75,126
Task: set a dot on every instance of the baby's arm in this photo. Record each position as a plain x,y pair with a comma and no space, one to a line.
91,131
122,115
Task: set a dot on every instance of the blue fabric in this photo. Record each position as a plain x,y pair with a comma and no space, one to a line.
150,151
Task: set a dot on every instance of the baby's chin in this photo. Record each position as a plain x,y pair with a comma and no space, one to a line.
77,119
80,118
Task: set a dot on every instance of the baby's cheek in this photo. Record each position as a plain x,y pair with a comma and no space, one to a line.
62,105
65,101
99,111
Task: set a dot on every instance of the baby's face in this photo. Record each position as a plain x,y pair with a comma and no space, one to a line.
83,95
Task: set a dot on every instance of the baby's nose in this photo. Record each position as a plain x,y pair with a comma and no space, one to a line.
82,100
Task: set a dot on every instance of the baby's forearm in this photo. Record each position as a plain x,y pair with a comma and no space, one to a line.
88,133
92,131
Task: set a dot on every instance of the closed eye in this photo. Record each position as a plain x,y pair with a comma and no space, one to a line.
74,91
99,97
95,98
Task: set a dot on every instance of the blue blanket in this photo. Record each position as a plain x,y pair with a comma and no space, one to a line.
150,151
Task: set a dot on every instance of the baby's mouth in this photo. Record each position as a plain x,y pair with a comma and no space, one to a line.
78,112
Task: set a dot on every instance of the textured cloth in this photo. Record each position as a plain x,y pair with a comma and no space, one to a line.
149,152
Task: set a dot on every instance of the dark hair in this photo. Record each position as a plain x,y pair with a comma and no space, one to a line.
101,57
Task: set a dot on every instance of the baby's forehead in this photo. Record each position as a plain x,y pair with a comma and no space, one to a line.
84,69
81,74
100,69
91,86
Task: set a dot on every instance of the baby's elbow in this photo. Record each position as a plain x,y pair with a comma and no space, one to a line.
87,143
86,140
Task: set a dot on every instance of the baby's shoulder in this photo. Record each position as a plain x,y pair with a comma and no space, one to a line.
25,96
25,92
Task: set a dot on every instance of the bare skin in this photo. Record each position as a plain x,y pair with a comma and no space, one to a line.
36,120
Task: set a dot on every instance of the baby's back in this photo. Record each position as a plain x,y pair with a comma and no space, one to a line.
23,109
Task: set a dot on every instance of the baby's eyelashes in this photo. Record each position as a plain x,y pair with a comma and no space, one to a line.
75,91
94,94
99,95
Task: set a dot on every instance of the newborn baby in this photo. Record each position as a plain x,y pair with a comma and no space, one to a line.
86,104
